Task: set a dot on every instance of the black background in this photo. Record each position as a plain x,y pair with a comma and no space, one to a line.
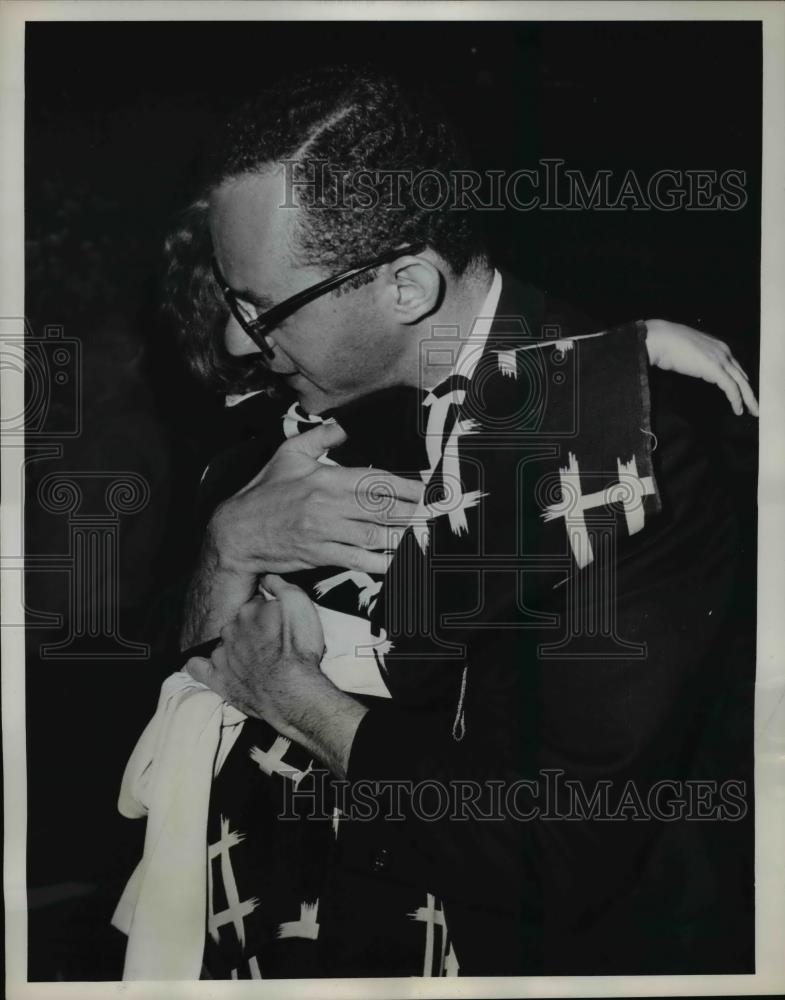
116,117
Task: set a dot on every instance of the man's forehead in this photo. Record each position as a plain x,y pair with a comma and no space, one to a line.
250,225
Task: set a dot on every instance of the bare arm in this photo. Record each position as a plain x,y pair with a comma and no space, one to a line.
297,513
214,596
679,348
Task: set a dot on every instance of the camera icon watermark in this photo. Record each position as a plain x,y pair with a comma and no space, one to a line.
50,367
523,383
43,397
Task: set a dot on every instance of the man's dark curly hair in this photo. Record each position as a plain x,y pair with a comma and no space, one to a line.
345,132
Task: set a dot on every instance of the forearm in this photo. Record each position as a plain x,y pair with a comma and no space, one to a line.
323,720
214,596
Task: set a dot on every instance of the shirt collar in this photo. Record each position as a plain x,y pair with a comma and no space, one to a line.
473,347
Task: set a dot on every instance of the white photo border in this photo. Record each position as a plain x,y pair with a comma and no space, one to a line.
770,686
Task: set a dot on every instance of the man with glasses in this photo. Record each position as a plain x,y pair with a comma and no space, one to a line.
385,557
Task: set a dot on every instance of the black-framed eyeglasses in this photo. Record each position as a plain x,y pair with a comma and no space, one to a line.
259,327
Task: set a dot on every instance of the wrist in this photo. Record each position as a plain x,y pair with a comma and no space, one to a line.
322,718
215,595
221,556
652,328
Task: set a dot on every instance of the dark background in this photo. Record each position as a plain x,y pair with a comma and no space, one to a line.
116,117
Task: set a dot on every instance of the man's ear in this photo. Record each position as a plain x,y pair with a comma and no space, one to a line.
418,288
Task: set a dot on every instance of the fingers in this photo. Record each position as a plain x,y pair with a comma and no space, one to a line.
258,620
368,535
399,512
727,355
374,489
353,558
392,514
733,382
293,599
738,374
301,629
731,390
316,442
728,374
742,395
379,485
276,585
199,668
733,361
210,672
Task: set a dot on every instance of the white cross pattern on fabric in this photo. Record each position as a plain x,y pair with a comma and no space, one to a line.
336,820
235,911
367,586
253,968
305,927
432,918
451,474
454,507
629,491
437,417
271,761
451,967
293,421
507,360
380,650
